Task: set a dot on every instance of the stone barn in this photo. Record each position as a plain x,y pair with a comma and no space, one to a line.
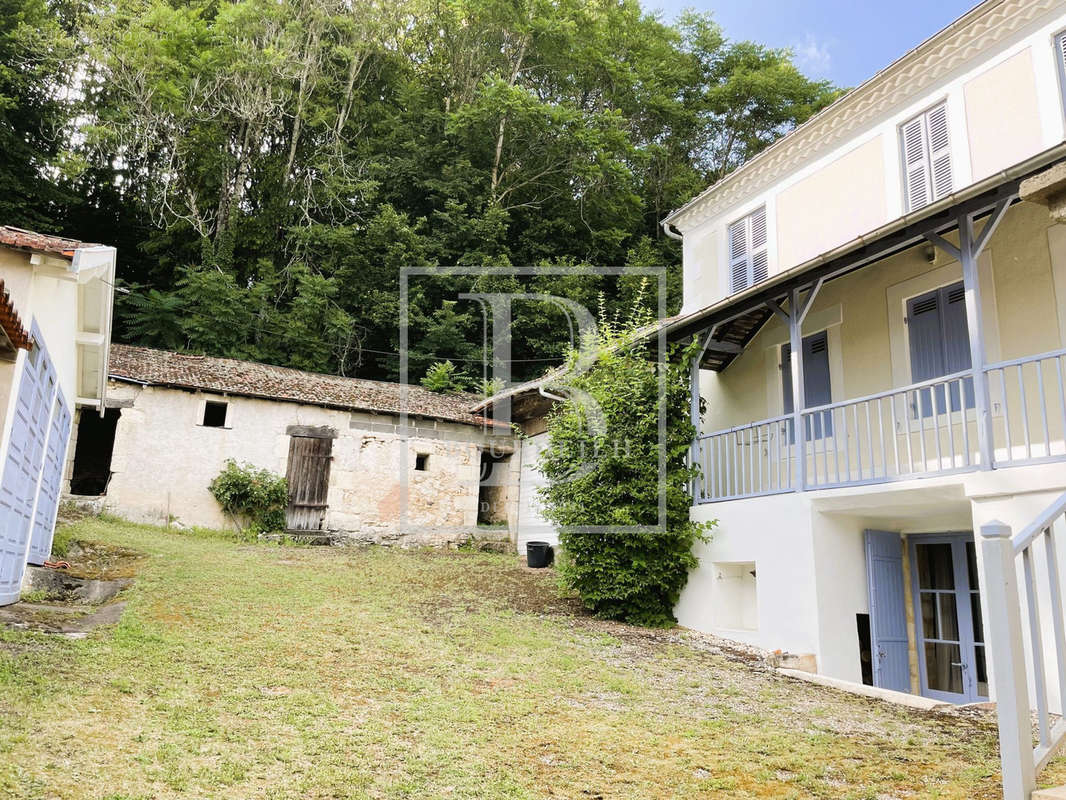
367,461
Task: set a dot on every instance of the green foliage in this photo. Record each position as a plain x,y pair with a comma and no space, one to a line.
266,167
250,494
603,470
444,378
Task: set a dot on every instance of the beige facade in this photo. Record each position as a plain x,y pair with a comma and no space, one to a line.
864,316
164,459
840,176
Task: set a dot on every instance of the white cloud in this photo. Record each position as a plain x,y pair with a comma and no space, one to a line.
813,57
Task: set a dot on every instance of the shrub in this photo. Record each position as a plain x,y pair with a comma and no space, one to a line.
609,477
256,496
445,378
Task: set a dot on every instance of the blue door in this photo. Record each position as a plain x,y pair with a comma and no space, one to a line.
20,481
947,611
888,615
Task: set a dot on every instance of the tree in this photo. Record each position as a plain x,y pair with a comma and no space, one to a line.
267,167
444,378
603,470
37,58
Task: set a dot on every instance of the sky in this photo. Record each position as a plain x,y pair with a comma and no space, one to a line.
844,42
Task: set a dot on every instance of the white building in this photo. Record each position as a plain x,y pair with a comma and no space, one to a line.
882,299
366,460
55,314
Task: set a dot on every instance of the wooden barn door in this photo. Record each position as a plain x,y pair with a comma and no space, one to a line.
308,476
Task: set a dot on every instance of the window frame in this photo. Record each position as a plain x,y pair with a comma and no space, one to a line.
215,403
751,251
1058,43
927,145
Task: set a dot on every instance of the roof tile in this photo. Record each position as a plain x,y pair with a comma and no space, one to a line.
252,379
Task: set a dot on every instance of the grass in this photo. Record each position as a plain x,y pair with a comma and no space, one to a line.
255,671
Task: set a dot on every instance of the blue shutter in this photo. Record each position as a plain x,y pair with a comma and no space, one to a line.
956,340
939,345
925,332
816,386
888,616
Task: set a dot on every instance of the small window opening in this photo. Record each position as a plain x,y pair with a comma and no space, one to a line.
92,452
214,414
422,462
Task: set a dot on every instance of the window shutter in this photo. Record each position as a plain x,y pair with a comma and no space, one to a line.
760,264
738,254
956,331
915,164
748,260
924,331
1060,60
816,387
939,151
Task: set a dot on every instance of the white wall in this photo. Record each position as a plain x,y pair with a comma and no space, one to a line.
531,523
775,533
164,459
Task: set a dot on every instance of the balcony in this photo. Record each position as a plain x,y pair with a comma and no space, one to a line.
917,431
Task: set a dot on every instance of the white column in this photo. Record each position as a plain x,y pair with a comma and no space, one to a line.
1003,629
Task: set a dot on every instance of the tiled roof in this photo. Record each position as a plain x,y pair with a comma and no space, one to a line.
251,379
10,322
17,237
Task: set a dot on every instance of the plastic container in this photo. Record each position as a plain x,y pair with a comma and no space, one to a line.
538,554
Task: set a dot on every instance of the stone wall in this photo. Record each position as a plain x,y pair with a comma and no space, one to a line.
165,458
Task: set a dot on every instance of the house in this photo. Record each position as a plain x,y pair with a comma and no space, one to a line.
881,301
366,461
55,314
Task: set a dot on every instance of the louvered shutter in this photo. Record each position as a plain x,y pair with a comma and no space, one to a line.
939,150
1060,59
760,265
915,164
925,331
956,340
738,254
816,388
748,260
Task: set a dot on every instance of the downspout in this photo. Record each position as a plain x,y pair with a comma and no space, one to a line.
671,233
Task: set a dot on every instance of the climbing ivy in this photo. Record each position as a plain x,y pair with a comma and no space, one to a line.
603,470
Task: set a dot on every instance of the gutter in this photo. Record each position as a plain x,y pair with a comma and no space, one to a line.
1019,170
846,99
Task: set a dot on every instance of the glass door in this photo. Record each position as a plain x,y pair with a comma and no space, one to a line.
948,617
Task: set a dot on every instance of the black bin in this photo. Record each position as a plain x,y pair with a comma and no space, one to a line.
538,554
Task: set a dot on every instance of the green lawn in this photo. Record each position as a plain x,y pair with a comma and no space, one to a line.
259,671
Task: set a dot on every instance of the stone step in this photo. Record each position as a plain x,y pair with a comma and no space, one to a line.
1058,793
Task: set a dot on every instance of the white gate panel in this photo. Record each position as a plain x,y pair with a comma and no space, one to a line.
44,520
22,466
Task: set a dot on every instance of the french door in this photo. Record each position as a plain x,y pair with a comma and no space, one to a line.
947,613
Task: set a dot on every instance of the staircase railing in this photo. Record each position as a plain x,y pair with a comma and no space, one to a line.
1023,668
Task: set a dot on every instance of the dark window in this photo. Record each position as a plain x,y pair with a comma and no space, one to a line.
92,452
939,345
816,388
214,414
422,462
